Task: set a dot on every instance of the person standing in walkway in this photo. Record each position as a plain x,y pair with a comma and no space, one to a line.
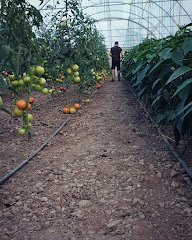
116,55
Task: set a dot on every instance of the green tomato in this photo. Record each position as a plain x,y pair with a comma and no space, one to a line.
39,70
76,74
38,87
75,68
69,71
11,77
17,112
21,131
45,91
30,117
72,110
35,79
99,79
26,79
15,83
76,79
29,126
21,82
42,81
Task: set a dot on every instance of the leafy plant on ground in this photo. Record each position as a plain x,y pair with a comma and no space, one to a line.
160,70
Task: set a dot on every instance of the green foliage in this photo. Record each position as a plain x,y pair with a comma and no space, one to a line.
72,38
17,45
69,38
160,70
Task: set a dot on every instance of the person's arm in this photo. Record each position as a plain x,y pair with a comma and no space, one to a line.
121,54
110,53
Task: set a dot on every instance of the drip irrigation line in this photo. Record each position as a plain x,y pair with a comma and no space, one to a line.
30,157
168,145
23,163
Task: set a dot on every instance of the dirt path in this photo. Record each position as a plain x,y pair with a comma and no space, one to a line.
106,176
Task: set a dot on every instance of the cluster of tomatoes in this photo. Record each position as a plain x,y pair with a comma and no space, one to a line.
59,89
71,109
37,81
73,74
22,109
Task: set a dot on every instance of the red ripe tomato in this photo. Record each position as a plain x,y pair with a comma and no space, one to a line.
62,88
31,100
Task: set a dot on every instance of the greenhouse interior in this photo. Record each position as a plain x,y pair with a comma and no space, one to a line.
96,120
131,21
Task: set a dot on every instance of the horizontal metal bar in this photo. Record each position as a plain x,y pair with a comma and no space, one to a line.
130,28
119,4
164,16
125,35
114,4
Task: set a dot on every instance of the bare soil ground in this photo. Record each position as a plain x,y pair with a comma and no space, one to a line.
106,176
47,116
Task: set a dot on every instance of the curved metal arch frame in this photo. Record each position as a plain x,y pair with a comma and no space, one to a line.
138,16
148,1
151,1
163,10
102,19
154,17
127,12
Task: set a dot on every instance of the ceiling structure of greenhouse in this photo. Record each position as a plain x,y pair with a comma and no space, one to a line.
129,21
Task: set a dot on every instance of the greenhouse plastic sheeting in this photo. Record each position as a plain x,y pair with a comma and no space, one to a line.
130,21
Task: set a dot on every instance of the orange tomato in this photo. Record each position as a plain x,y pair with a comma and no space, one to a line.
66,110
77,106
31,100
21,104
29,107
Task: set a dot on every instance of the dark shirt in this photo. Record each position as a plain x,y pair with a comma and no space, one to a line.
115,52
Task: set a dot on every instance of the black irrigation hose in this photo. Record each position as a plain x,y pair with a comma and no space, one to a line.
19,166
168,145
23,163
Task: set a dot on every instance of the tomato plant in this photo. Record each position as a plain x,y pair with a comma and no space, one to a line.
47,58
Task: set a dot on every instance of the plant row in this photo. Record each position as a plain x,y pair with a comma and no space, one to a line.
48,58
160,71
